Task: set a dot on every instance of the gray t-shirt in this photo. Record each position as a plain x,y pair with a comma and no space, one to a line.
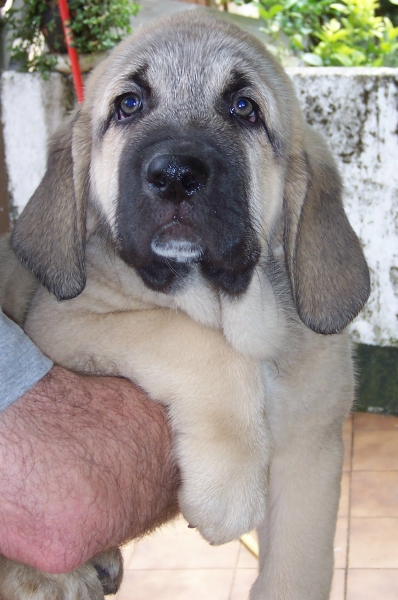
22,364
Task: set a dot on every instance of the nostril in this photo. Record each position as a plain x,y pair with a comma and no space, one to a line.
156,176
159,181
176,177
189,182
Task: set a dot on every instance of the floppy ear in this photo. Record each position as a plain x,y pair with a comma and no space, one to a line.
49,236
328,272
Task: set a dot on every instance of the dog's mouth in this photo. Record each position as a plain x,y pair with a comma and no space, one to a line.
178,242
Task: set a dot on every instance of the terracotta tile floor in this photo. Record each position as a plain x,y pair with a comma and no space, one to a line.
176,564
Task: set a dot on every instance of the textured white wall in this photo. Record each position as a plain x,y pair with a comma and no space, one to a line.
355,109
32,110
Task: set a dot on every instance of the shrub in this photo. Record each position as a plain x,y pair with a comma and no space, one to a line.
345,33
96,25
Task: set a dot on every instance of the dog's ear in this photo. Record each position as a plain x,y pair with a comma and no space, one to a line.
328,272
49,236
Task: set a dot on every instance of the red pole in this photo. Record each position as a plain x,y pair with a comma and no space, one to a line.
70,44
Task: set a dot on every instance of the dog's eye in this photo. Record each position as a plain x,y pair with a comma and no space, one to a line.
245,108
129,105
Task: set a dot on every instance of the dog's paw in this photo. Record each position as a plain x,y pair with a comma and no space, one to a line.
223,499
109,568
20,582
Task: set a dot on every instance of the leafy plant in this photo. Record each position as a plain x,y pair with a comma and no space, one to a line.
358,37
96,25
297,19
345,33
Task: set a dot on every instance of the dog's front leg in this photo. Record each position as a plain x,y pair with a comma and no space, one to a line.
223,448
215,398
307,409
296,539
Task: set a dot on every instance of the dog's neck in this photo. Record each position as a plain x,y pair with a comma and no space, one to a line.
200,301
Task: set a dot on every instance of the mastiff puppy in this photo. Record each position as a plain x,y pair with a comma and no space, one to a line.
189,234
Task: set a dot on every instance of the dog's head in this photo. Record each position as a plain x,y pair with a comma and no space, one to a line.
190,147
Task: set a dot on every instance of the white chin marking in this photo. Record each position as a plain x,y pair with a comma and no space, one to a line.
179,250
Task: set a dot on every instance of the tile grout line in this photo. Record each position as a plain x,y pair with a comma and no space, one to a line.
349,506
376,470
235,570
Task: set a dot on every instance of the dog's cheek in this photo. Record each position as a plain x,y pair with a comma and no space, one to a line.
136,216
104,176
267,201
265,174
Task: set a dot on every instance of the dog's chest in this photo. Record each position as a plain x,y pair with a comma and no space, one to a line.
252,322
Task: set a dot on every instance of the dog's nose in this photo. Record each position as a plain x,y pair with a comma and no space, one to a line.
177,177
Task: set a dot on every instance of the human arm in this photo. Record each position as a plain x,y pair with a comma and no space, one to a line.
85,464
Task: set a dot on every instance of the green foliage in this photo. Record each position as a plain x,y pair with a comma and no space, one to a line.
358,37
297,19
27,42
96,25
344,33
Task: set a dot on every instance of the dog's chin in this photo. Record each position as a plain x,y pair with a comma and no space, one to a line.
179,243
172,252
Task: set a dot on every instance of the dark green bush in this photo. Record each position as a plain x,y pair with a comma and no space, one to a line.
387,9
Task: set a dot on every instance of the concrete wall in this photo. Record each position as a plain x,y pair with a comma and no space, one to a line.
32,110
355,109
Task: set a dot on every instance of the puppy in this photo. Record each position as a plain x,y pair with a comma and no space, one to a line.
189,234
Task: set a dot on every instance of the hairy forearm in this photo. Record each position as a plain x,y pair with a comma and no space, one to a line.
85,464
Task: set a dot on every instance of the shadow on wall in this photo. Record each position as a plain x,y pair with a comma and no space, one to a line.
377,379
4,214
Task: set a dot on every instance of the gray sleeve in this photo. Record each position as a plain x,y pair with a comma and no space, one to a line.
22,364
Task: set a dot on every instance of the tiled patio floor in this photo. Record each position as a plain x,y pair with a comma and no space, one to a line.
176,564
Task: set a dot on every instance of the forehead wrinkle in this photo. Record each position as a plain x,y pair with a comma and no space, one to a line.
195,77
192,90
194,63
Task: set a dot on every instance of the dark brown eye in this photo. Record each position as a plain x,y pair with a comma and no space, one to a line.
129,105
245,108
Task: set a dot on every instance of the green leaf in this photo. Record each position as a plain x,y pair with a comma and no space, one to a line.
275,27
274,10
333,25
345,61
340,7
264,14
312,59
297,40
393,34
